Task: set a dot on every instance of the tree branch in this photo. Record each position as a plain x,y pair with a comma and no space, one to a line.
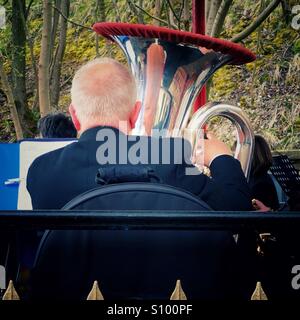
207,8
30,44
44,60
157,11
59,55
181,10
150,15
173,11
259,20
186,14
11,102
28,8
285,11
220,18
215,4
118,16
134,9
70,21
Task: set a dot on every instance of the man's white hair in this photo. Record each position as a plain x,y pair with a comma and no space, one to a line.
103,90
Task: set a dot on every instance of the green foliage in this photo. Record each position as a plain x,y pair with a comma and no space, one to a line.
268,88
224,81
296,46
5,36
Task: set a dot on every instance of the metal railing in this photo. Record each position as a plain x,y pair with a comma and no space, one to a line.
175,220
148,220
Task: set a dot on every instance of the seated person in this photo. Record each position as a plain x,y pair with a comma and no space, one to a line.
293,203
261,184
280,254
56,125
104,99
104,110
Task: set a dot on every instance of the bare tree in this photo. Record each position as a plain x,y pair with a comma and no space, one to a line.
100,15
137,13
285,10
171,12
214,7
141,16
164,22
116,9
11,101
18,56
218,10
220,18
157,12
54,28
207,8
30,42
44,62
186,15
59,53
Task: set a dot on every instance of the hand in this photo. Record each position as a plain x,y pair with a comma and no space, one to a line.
214,147
259,206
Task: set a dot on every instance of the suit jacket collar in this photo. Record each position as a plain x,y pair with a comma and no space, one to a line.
91,133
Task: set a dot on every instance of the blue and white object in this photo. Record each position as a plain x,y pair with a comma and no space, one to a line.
15,160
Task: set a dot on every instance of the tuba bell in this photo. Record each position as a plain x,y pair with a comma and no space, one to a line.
170,68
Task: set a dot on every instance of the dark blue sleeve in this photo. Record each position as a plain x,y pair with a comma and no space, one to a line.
227,189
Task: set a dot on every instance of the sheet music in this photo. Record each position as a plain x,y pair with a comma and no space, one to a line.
29,151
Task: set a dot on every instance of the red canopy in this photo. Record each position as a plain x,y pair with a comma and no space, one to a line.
239,53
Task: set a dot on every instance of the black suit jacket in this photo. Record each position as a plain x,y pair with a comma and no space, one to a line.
58,176
130,263
262,188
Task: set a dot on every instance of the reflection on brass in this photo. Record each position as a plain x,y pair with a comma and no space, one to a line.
11,293
244,133
154,73
95,293
259,293
169,77
178,293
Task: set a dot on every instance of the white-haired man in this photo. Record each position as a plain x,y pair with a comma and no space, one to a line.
103,93
125,261
104,100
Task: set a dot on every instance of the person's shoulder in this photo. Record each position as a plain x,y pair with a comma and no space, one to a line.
51,156
222,160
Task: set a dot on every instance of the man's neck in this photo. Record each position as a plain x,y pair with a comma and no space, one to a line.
123,126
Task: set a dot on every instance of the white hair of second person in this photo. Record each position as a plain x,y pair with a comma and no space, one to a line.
104,90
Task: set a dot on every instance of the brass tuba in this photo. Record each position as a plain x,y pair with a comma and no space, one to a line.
170,68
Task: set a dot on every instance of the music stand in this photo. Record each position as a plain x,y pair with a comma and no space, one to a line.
285,173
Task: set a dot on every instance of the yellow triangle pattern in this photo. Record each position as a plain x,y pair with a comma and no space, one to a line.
259,293
10,293
178,293
95,293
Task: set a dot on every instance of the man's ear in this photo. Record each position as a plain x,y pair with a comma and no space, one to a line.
134,114
74,117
